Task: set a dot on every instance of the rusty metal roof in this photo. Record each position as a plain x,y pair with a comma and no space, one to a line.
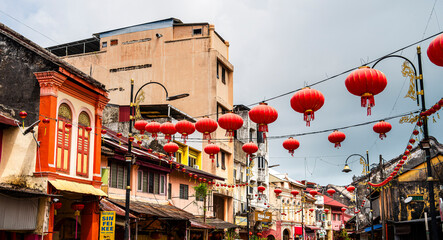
156,210
106,205
217,223
197,224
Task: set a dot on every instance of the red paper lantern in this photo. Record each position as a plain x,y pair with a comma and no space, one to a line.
131,139
230,122
311,209
393,173
313,193
397,168
291,144
250,148
350,188
68,125
45,120
212,150
411,141
435,51
343,209
190,175
177,165
277,191
140,125
261,189
184,170
331,191
419,123
366,82
88,129
326,211
402,162
440,102
407,152
104,131
168,129
409,147
206,126
336,137
295,193
263,115
119,135
185,128
415,132
153,127
139,142
77,206
436,107
307,101
382,128
170,148
195,176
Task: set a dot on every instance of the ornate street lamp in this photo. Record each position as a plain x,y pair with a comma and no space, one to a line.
129,158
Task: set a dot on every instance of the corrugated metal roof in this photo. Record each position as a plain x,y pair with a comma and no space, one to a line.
157,210
196,224
106,205
68,186
331,202
217,223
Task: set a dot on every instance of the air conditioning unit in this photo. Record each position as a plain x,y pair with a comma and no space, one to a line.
196,167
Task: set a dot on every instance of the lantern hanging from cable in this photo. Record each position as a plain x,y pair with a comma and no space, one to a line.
336,137
294,193
435,51
313,193
250,148
277,191
45,121
230,122
140,125
343,209
331,191
153,127
261,189
291,144
206,126
263,114
366,82
23,115
57,206
171,148
212,149
168,129
185,128
382,128
77,207
326,211
307,101
350,188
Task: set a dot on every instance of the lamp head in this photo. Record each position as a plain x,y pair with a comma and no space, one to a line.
175,97
346,169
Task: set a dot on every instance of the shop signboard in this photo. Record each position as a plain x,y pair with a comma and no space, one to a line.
263,216
107,225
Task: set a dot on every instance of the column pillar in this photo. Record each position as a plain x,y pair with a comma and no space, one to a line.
90,223
99,107
50,82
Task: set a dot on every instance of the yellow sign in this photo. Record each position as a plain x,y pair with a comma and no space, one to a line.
107,225
241,221
263,217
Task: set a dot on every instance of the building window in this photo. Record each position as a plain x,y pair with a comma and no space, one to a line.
151,182
197,31
235,174
192,161
218,164
104,44
183,191
169,191
114,42
223,161
118,175
83,144
178,157
223,79
218,66
63,138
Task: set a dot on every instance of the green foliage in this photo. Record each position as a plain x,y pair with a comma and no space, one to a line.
344,235
201,190
255,237
231,235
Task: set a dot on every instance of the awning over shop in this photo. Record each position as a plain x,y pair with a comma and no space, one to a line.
298,230
5,119
81,188
106,205
368,229
218,223
161,211
196,224
313,227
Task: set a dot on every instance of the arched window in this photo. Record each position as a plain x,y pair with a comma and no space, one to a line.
84,129
63,138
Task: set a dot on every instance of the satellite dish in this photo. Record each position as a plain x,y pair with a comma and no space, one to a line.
408,200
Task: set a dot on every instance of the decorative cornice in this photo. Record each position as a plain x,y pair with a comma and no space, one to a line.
50,82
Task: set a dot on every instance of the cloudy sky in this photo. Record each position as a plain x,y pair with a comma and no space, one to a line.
278,46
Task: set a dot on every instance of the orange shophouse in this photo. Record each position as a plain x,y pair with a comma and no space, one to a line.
59,156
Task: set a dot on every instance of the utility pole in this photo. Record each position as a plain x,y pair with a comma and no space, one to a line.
382,202
248,172
429,179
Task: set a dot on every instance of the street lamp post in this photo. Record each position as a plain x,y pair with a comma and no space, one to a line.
129,157
347,169
419,76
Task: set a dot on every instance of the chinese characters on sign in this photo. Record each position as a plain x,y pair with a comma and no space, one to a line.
107,225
